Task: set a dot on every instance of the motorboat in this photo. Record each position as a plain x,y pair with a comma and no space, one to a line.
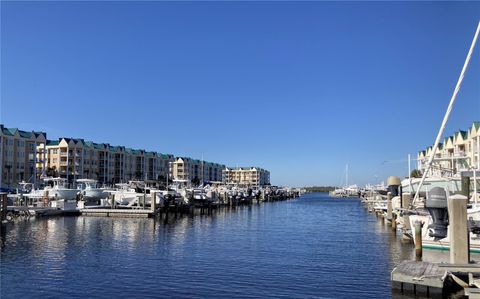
125,195
59,189
89,190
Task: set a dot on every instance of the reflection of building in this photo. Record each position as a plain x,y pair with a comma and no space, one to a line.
456,153
252,176
22,156
184,168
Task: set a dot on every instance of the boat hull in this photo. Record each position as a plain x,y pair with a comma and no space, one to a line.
94,194
66,194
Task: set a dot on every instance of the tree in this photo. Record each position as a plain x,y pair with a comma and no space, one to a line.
195,181
416,173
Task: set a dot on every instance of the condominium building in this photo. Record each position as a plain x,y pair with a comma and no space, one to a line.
458,152
22,156
29,156
75,158
184,168
250,176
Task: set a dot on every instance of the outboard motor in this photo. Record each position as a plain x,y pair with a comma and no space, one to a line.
393,184
436,205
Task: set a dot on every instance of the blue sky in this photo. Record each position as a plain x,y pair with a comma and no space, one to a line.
299,88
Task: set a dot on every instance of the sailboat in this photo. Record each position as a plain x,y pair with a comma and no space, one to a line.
347,190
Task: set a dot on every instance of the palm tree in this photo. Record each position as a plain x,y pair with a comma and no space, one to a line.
416,173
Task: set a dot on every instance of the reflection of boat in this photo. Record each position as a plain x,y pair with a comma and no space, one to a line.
59,189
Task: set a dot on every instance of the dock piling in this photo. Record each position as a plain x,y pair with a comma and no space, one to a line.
389,206
153,203
465,186
459,235
3,207
394,222
418,240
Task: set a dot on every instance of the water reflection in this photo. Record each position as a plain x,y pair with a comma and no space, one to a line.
312,247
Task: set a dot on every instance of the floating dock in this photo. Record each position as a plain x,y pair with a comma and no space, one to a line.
142,213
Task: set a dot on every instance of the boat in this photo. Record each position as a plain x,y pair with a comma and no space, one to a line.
433,192
89,190
59,189
431,242
125,195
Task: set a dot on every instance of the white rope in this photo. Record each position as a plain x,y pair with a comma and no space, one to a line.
447,114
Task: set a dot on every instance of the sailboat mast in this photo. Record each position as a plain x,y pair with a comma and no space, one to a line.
346,175
447,114
409,167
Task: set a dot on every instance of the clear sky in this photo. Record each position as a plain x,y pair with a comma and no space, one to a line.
299,88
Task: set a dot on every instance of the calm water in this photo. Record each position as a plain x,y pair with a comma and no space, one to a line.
314,246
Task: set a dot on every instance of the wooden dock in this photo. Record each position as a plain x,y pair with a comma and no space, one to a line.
432,279
419,278
142,213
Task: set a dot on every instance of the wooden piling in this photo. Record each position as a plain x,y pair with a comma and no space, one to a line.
153,202
3,207
406,199
389,206
458,227
465,186
394,222
112,200
418,239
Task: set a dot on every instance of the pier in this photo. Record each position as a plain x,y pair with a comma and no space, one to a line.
142,213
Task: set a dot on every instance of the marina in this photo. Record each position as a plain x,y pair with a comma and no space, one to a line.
240,149
294,246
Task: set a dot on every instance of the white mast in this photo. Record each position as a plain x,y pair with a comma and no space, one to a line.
346,175
475,185
447,114
409,167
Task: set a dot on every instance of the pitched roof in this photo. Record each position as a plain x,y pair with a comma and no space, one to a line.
9,132
25,134
476,125
52,142
463,134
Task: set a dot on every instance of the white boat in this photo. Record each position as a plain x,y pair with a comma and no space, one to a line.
90,191
444,244
59,189
125,195
452,184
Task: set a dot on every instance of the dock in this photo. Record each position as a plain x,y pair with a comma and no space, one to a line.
139,213
419,278
434,279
